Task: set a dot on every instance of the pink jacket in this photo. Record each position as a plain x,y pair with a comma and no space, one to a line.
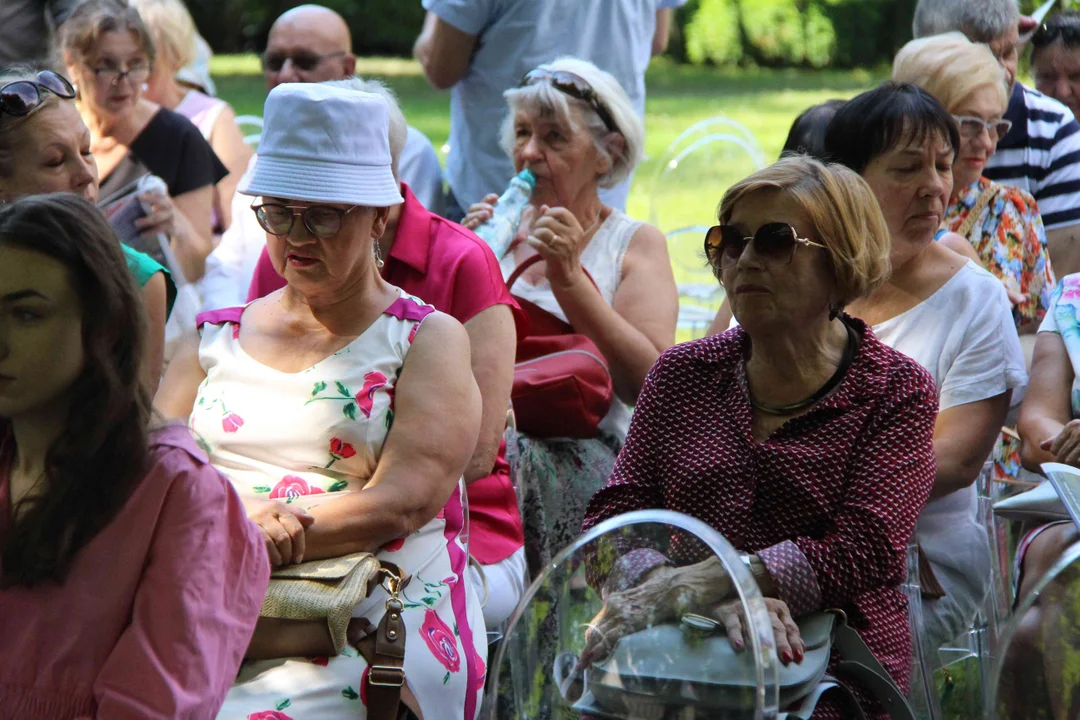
155,614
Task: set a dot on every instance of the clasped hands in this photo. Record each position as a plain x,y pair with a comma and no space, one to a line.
669,593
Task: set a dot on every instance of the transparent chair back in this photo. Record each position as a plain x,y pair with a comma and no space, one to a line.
689,184
700,293
670,666
1037,674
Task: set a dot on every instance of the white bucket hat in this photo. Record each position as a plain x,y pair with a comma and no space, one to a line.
324,144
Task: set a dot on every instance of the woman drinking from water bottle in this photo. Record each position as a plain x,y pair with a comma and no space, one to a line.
604,273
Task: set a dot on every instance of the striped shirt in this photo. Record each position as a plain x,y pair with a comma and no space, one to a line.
1041,154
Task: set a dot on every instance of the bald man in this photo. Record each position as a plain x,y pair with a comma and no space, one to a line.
309,43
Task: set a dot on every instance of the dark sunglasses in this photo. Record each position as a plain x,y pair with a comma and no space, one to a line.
1046,35
322,221
22,96
774,243
573,85
304,62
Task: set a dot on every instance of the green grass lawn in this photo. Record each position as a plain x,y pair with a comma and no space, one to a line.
765,101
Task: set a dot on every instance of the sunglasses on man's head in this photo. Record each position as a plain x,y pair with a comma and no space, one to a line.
573,85
774,244
304,62
322,221
22,96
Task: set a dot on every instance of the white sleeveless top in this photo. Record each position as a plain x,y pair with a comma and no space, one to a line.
321,430
603,259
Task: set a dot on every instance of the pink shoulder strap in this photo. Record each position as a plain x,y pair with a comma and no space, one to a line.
220,316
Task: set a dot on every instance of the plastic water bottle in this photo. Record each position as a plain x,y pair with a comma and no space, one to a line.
499,231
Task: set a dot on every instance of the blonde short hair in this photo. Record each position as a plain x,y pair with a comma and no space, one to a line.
844,211
950,67
399,128
548,101
172,28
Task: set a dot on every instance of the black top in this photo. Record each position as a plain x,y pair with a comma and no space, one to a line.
172,148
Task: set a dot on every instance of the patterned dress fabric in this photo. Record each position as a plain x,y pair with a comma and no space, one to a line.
308,438
1010,240
829,501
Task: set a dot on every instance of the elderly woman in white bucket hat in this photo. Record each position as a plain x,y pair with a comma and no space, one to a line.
294,396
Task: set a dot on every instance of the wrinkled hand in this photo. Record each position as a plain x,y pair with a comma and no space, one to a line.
1065,446
559,238
160,219
666,594
283,529
789,643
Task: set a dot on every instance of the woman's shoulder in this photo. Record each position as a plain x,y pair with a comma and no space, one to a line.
719,351
892,373
179,464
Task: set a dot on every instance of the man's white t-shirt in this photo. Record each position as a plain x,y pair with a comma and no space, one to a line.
964,335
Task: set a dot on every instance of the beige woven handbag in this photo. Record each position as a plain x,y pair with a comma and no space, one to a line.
319,589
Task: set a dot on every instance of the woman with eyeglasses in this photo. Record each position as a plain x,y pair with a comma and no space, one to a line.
173,30
344,411
1001,223
947,313
109,55
45,148
606,274
1055,59
802,438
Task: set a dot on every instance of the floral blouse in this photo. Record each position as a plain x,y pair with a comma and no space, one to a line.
1010,240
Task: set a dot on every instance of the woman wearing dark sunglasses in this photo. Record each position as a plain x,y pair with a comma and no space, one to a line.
1055,59
799,436
1000,223
574,127
947,313
109,54
45,148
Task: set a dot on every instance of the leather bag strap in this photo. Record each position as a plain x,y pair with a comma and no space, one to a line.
520,270
384,651
827,685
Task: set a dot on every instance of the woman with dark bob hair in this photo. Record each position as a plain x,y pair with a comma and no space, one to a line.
130,578
947,313
798,435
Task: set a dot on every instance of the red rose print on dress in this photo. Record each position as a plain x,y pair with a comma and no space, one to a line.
339,450
363,685
440,640
232,422
394,545
268,715
366,397
292,487
412,333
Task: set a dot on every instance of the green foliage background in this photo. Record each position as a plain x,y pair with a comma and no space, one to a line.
764,33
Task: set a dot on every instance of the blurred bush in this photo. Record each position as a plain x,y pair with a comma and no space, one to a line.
379,27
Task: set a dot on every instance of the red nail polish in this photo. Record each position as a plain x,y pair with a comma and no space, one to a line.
786,657
738,644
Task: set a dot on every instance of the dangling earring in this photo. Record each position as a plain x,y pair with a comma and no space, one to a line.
835,313
376,253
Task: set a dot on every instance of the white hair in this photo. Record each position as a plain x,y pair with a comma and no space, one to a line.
543,97
399,129
981,20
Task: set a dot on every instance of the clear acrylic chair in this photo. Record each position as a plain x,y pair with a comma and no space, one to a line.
536,672
700,294
693,173
250,122
1037,673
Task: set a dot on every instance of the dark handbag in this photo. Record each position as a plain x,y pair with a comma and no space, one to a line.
562,384
665,668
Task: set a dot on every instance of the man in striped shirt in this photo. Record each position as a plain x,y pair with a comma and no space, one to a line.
1041,154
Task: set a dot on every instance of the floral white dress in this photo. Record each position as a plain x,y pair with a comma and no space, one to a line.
308,438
